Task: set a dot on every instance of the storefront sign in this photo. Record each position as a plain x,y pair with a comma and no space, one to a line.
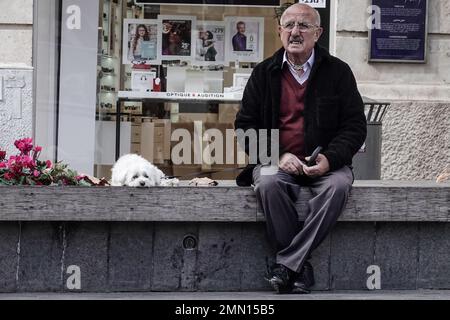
401,32
181,96
259,3
315,3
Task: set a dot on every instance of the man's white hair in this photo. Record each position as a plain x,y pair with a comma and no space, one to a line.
316,13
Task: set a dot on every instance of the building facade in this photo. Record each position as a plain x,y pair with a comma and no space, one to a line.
62,72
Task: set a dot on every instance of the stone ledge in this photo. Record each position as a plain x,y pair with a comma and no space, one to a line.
15,66
153,256
256,295
368,201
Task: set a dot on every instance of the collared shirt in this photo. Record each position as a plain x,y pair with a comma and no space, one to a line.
239,42
306,68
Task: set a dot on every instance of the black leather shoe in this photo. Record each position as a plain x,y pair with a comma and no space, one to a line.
305,280
281,278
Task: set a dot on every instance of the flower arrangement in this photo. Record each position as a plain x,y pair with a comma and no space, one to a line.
26,168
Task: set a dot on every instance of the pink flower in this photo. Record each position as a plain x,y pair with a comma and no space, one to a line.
36,173
8,176
36,151
28,162
49,164
2,155
24,145
12,165
2,165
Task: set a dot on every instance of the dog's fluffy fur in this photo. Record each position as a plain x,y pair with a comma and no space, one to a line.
134,171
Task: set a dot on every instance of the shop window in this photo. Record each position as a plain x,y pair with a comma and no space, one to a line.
163,67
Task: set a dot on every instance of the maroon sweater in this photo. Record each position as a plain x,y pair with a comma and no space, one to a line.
292,130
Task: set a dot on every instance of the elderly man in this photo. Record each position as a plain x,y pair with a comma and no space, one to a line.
312,98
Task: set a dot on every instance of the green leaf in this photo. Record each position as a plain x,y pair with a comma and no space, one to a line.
30,181
5,182
83,183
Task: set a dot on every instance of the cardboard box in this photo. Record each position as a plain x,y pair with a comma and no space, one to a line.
163,133
229,145
103,171
203,117
155,140
224,172
227,113
166,169
190,129
158,152
135,133
188,172
159,134
135,148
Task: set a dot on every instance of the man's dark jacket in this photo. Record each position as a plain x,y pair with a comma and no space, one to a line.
334,111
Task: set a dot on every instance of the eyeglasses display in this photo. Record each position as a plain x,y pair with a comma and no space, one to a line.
165,67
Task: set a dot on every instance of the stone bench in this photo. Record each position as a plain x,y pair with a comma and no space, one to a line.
213,239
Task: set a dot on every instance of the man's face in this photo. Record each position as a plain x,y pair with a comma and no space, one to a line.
296,42
241,28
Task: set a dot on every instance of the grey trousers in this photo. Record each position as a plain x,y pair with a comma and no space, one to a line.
277,194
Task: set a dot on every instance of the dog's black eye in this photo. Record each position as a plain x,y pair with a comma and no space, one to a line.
135,177
145,175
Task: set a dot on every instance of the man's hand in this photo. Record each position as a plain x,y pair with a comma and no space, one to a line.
322,166
289,163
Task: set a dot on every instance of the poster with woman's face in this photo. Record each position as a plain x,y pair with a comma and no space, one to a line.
244,39
177,37
209,43
140,41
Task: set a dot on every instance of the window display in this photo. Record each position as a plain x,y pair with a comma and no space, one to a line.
162,67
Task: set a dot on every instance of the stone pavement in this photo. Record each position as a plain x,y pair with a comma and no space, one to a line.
334,295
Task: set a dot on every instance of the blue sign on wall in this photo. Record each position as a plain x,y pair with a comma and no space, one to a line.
399,31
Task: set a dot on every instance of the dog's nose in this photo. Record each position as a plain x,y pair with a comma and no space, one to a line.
142,183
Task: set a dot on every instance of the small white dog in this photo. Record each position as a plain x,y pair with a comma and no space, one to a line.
134,171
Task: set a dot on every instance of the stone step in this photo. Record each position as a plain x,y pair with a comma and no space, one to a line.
392,235
190,256
241,296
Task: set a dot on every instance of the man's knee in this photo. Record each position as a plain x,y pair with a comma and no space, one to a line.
338,187
267,183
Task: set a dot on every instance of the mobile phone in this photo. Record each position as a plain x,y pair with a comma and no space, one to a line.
312,159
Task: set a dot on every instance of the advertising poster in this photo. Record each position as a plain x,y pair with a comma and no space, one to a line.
140,41
176,35
209,43
244,39
399,31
